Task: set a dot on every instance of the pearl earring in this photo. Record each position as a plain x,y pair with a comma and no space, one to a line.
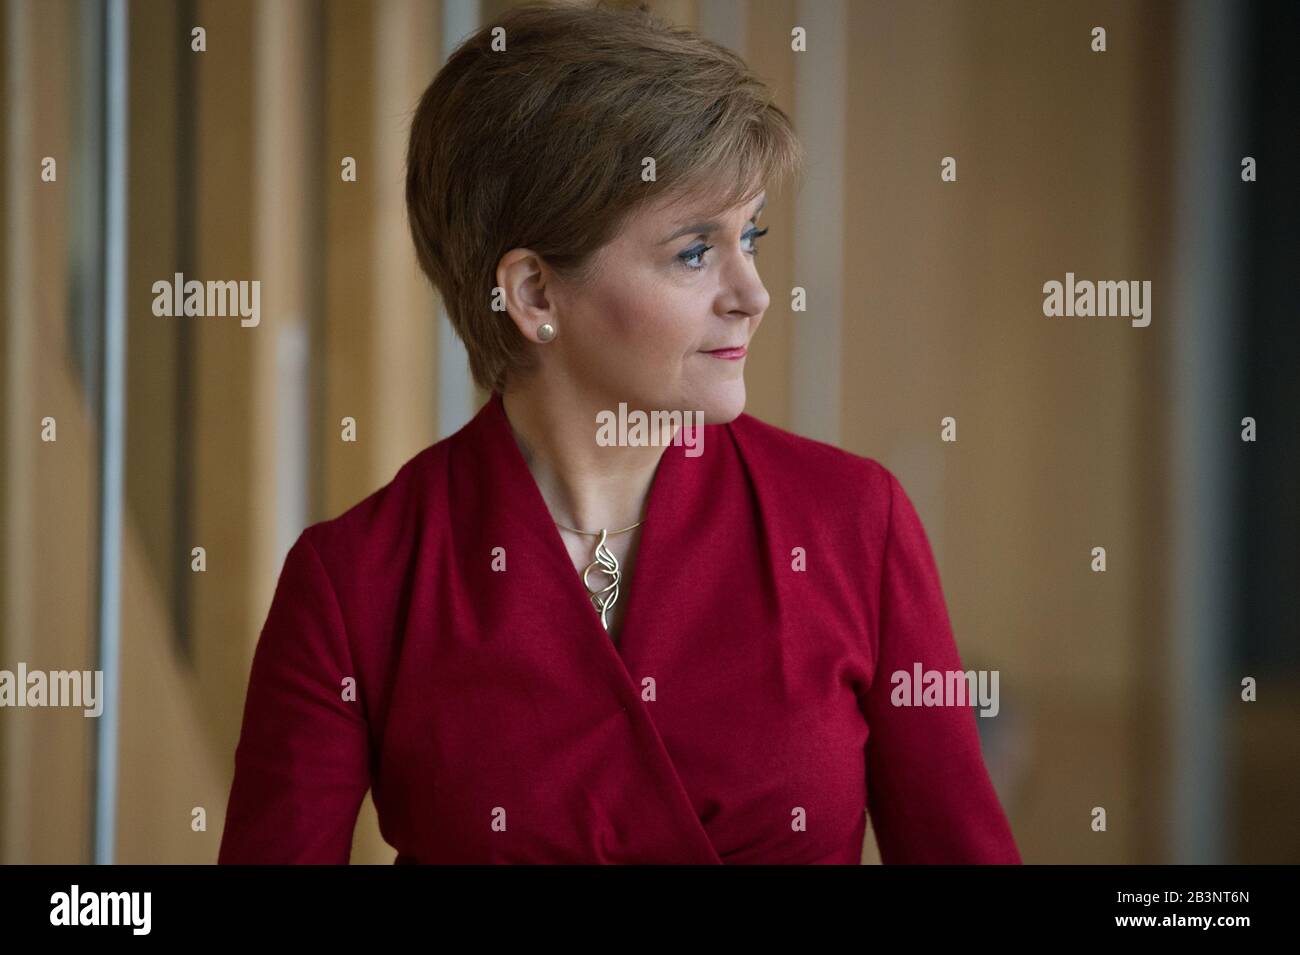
545,331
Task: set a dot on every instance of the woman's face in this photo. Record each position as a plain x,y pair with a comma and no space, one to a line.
666,320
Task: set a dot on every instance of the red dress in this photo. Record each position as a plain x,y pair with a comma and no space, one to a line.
744,716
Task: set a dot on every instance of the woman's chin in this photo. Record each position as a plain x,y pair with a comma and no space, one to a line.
722,403
719,402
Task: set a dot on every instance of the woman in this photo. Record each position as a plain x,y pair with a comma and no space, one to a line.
541,644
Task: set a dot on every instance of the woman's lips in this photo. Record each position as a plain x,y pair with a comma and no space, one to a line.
731,354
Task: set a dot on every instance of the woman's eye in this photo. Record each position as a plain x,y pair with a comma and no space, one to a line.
693,258
694,254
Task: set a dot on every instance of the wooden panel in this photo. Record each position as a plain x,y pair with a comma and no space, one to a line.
50,528
767,367
945,318
153,409
402,320
349,276
225,413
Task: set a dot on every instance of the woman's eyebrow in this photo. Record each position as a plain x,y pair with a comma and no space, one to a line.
704,228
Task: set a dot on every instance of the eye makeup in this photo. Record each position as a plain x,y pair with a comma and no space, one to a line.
696,252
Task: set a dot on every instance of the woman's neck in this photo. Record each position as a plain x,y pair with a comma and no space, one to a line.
585,485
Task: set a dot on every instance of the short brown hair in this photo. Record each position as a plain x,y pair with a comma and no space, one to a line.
540,146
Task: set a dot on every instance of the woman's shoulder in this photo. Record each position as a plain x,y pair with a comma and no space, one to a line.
385,518
810,465
820,494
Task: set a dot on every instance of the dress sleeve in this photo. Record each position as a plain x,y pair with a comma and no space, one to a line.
929,794
302,761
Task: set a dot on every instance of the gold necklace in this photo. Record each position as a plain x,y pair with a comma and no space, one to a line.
603,597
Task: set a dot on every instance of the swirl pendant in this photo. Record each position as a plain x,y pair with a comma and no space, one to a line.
603,597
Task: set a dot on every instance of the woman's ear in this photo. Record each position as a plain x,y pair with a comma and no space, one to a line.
522,292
